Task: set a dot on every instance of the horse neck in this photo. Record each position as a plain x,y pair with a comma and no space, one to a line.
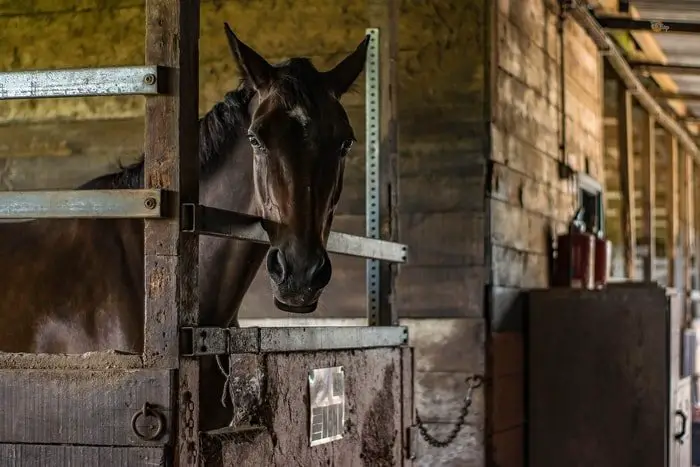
227,267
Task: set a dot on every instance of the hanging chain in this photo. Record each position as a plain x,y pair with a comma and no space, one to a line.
473,382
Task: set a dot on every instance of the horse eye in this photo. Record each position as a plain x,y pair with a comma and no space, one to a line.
346,146
254,140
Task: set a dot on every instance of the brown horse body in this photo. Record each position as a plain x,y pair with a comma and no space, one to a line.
274,148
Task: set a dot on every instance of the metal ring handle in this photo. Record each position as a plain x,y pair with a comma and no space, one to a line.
684,422
146,411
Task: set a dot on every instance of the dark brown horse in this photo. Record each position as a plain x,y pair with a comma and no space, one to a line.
274,147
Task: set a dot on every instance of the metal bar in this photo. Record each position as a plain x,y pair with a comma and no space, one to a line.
200,341
656,67
582,14
314,338
372,160
80,82
626,23
81,204
205,220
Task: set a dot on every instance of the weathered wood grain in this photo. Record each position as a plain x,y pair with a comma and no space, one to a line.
171,162
81,406
527,193
449,292
26,455
374,431
609,345
507,406
627,179
518,268
467,450
448,345
515,228
506,353
507,448
506,309
440,398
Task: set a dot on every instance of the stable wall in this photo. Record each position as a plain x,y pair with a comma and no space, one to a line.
443,70
527,200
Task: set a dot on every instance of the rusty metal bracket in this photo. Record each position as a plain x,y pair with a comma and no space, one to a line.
199,341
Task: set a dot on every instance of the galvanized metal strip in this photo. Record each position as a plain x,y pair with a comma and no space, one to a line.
298,339
372,159
81,204
215,222
79,82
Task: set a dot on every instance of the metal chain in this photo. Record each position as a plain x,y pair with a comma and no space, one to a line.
473,382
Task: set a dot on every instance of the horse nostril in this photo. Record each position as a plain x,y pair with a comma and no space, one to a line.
320,273
276,265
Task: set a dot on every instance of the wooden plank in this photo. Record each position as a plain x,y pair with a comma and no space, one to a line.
374,411
28,455
81,407
172,163
508,448
626,169
440,397
673,211
506,353
448,345
445,291
649,193
506,312
689,230
87,361
507,405
408,415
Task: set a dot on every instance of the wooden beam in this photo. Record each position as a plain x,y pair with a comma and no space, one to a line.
672,209
688,230
171,163
649,194
626,167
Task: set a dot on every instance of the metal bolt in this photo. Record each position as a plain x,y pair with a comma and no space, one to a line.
150,203
149,79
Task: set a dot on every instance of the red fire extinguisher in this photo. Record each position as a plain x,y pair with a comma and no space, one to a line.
575,256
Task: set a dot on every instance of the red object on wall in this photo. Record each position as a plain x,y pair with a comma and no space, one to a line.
600,276
575,260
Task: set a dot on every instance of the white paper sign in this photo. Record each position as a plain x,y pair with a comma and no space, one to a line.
327,405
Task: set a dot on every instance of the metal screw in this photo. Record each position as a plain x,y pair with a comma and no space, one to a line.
150,203
149,79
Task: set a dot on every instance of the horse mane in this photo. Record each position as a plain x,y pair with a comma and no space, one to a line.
298,83
219,132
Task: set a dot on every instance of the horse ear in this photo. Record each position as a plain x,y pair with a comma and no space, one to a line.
250,63
340,78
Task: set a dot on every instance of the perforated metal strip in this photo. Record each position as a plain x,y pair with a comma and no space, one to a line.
372,138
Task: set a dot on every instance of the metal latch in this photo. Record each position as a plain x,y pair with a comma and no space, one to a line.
195,342
412,441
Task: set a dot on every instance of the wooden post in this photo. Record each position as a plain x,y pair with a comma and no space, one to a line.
672,211
696,228
688,230
626,169
649,194
383,14
171,257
